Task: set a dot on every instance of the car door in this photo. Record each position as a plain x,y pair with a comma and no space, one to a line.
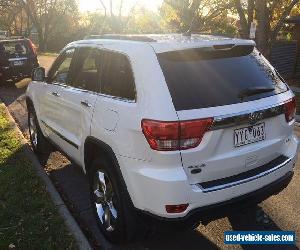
50,99
77,101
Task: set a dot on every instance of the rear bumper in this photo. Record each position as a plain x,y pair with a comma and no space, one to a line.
222,209
15,72
152,188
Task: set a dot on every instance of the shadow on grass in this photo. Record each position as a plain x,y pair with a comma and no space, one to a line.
28,217
74,188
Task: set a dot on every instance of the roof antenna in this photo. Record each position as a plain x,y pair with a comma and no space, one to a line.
190,30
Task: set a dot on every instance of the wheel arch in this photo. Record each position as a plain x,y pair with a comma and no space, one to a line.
94,147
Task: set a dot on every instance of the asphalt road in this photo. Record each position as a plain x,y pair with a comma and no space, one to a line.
280,212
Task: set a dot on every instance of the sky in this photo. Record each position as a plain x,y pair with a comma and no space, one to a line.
93,5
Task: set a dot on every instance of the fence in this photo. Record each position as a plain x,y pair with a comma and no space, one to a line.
284,58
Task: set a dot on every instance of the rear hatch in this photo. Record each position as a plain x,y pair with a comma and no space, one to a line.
243,95
17,55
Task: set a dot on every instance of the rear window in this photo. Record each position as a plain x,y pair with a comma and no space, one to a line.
202,78
14,48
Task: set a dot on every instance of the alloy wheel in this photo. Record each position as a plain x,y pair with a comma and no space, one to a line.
104,201
33,130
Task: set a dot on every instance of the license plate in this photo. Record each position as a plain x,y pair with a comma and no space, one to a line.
248,135
18,63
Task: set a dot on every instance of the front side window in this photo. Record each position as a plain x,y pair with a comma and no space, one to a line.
117,77
62,69
87,71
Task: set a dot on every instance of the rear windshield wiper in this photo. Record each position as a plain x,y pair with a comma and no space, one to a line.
254,91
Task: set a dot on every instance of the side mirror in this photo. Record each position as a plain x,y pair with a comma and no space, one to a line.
39,74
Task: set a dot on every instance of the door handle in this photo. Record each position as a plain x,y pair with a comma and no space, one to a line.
86,104
56,94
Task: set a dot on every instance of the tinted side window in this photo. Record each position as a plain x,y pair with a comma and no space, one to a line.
117,78
87,72
61,71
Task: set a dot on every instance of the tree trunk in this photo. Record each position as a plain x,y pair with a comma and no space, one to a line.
42,44
262,38
251,7
244,27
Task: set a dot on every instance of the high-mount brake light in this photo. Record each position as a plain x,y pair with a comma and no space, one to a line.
178,135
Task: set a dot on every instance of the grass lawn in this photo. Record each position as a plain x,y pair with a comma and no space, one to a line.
28,218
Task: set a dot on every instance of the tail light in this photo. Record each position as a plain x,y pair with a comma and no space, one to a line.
290,109
179,135
32,47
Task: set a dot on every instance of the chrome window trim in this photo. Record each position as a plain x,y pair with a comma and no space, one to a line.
116,98
94,93
60,84
236,183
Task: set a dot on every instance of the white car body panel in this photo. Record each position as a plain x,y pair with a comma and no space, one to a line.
156,178
217,151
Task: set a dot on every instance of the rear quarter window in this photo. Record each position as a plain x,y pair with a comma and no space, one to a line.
202,78
117,76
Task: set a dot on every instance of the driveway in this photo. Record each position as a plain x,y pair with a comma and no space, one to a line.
46,61
280,212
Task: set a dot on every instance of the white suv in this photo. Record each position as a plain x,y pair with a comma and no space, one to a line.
172,127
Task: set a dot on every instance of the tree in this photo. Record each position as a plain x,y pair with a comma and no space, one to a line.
9,11
144,21
46,15
246,17
193,15
115,21
270,16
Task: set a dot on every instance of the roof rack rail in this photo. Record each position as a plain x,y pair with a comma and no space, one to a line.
11,38
139,38
16,37
190,33
213,34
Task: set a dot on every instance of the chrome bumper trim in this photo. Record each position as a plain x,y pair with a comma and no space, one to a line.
236,183
233,120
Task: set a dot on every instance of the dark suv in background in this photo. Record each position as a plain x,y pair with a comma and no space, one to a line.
17,59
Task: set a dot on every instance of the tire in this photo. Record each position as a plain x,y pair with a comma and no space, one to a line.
112,208
39,143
